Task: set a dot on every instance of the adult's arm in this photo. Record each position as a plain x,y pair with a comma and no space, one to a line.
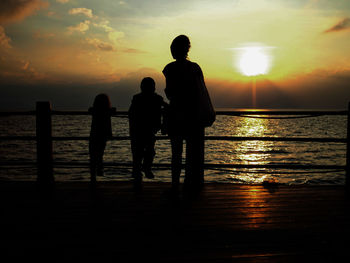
168,89
200,73
169,83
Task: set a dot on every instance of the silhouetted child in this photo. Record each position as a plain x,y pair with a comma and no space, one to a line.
101,131
145,121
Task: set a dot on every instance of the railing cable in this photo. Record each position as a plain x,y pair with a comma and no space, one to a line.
280,118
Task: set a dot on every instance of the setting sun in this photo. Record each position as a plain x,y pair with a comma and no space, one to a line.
253,61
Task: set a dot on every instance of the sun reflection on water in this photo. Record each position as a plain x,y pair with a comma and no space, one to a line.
253,152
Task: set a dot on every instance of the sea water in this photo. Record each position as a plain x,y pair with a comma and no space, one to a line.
216,152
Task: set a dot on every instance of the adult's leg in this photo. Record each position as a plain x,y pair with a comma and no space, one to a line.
176,159
200,155
194,174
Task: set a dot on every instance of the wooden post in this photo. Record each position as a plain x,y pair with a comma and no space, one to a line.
347,179
44,143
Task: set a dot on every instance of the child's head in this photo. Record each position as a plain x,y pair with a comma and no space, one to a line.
148,85
102,101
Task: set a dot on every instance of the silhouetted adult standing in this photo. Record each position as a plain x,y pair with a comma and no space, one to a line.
190,111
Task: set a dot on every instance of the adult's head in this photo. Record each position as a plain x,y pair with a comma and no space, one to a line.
148,85
102,102
180,47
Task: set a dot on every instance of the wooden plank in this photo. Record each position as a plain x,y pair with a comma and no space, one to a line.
244,223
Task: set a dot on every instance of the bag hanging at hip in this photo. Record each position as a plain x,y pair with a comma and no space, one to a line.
206,111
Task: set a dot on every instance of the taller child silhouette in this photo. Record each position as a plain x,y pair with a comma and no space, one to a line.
145,122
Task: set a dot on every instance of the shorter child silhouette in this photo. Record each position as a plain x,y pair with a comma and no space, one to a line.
144,121
101,131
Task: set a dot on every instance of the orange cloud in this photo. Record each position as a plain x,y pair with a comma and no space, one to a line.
113,35
17,10
4,40
16,70
104,25
81,27
99,44
81,10
133,50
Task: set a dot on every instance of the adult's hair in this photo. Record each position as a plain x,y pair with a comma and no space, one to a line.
180,47
102,102
148,85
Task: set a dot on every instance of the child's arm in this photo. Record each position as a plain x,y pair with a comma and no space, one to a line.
113,111
164,116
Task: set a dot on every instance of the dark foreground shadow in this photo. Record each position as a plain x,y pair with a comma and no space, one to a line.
226,222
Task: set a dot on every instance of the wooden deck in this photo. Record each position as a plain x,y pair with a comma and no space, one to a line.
226,223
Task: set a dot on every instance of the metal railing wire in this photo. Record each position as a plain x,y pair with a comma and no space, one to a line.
264,114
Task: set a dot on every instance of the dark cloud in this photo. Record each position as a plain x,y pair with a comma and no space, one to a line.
105,47
319,90
342,25
77,95
17,10
239,95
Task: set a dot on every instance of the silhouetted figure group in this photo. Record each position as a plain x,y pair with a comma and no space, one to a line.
184,119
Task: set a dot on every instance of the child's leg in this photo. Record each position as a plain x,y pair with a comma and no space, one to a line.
149,154
93,163
137,154
99,158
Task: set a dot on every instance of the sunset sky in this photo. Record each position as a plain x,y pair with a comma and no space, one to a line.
67,51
